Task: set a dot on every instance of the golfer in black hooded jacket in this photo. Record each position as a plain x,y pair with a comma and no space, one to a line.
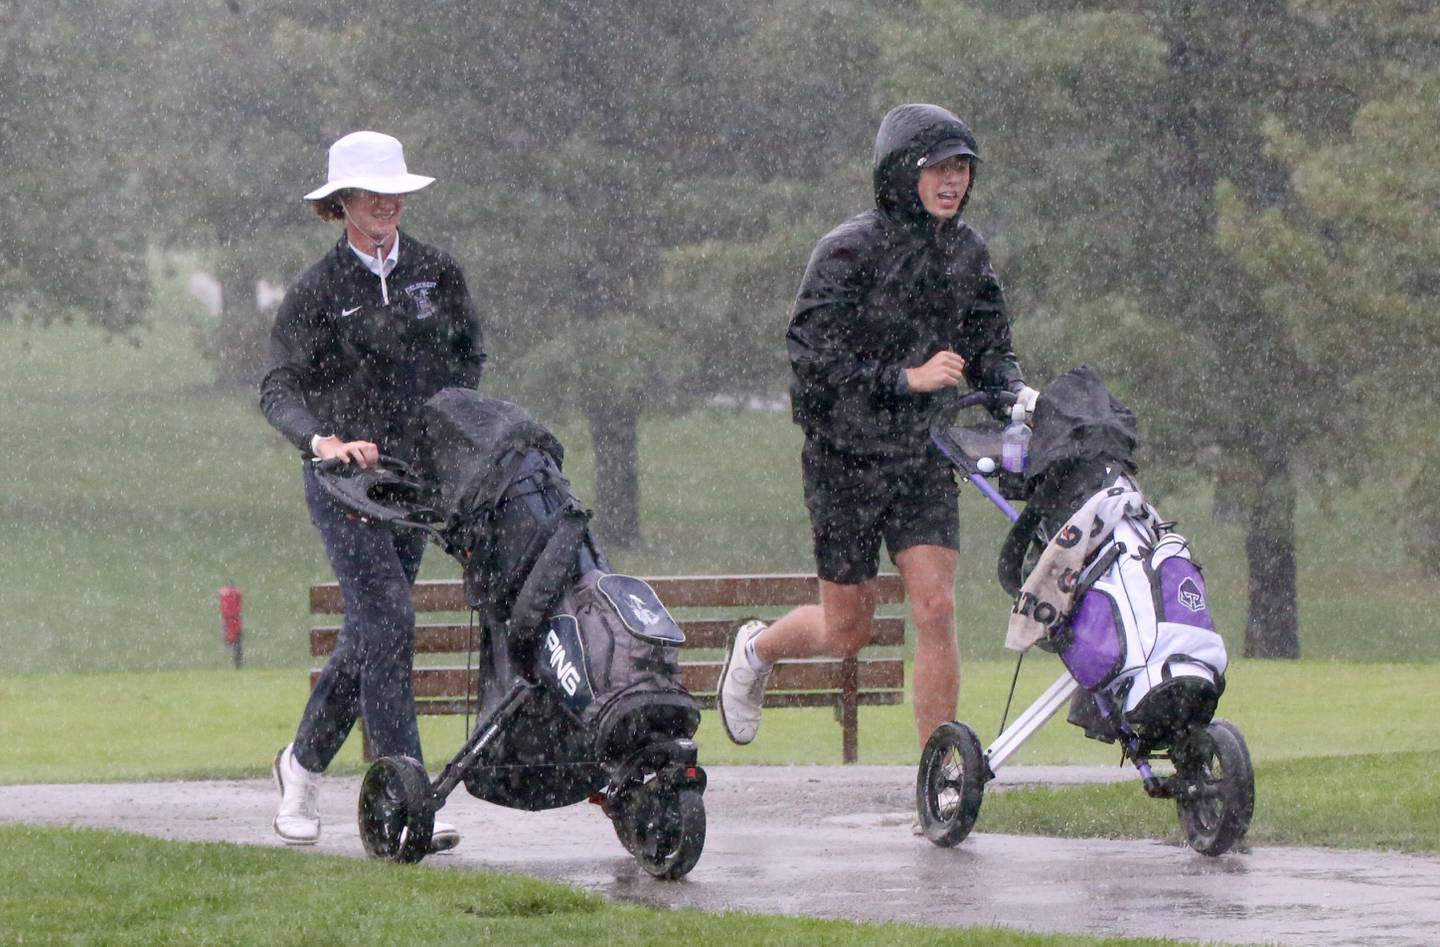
898,304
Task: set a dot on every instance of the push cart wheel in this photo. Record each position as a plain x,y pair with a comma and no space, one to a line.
397,817
951,784
663,827
1216,794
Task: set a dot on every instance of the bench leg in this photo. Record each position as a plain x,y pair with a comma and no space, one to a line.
849,710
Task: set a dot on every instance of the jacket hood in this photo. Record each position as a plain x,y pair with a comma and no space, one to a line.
906,134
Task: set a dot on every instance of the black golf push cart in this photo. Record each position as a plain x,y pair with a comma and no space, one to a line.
578,686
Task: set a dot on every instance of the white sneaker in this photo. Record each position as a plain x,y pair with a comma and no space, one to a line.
741,689
298,821
443,837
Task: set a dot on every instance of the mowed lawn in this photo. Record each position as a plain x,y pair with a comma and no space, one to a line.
135,491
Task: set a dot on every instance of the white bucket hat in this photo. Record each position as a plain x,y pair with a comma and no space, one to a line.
369,161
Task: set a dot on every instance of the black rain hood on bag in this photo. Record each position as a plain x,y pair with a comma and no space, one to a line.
1082,438
1076,419
476,433
907,134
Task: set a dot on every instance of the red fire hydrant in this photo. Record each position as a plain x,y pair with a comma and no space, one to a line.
232,623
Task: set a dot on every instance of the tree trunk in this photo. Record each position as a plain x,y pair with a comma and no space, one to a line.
1272,629
237,343
614,431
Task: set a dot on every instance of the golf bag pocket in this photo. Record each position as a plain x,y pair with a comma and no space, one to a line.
1092,646
563,666
640,610
1143,624
628,644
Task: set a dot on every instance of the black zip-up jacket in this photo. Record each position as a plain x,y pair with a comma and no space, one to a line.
343,362
884,292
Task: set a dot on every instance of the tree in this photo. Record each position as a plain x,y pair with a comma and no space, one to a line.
583,132
243,98
74,240
1352,265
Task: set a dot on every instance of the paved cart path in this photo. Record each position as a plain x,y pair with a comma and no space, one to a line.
835,842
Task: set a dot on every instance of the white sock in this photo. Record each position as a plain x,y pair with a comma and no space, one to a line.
753,659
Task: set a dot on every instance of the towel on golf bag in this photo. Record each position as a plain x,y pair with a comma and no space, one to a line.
1048,595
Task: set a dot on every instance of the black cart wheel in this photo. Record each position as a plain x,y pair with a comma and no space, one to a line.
397,816
663,827
1216,792
951,784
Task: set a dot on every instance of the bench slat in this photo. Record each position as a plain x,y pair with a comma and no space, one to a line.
814,674
429,639
699,633
816,699
436,707
676,591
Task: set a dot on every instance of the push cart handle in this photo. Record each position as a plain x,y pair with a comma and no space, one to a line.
334,464
987,399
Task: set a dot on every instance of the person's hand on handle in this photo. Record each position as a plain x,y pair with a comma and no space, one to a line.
943,370
363,454
1026,397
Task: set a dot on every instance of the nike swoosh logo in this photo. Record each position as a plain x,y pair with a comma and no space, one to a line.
346,312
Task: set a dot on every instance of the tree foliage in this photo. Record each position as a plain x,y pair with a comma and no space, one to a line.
1228,208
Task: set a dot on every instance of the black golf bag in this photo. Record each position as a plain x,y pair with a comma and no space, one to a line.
552,611
579,690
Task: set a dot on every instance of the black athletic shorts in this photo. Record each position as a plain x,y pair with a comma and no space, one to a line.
855,502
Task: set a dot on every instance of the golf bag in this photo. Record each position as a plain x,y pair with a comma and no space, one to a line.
552,612
1138,625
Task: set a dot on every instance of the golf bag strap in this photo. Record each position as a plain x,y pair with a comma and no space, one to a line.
1098,567
1012,552
551,575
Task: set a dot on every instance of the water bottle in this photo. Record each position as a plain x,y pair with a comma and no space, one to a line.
1015,442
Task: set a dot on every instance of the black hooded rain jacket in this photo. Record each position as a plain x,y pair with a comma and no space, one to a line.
884,292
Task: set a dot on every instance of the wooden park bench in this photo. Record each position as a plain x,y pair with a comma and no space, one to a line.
717,604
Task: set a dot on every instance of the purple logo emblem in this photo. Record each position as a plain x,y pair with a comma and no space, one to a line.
1190,594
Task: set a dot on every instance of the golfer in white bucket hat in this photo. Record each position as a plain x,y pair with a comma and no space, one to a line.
362,339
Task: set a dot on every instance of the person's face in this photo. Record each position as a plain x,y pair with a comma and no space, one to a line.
943,185
374,216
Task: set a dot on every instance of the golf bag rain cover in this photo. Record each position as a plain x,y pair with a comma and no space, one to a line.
1144,623
538,582
510,513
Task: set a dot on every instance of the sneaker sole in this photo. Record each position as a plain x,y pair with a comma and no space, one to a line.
720,696
444,843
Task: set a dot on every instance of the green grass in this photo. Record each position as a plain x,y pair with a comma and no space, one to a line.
1355,769
134,491
221,724
1383,801
86,887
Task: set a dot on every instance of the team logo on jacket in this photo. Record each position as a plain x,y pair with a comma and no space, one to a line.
422,294
1190,595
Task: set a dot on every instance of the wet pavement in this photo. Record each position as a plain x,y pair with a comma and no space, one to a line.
835,842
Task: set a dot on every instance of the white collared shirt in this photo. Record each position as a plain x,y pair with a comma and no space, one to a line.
380,268
369,258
